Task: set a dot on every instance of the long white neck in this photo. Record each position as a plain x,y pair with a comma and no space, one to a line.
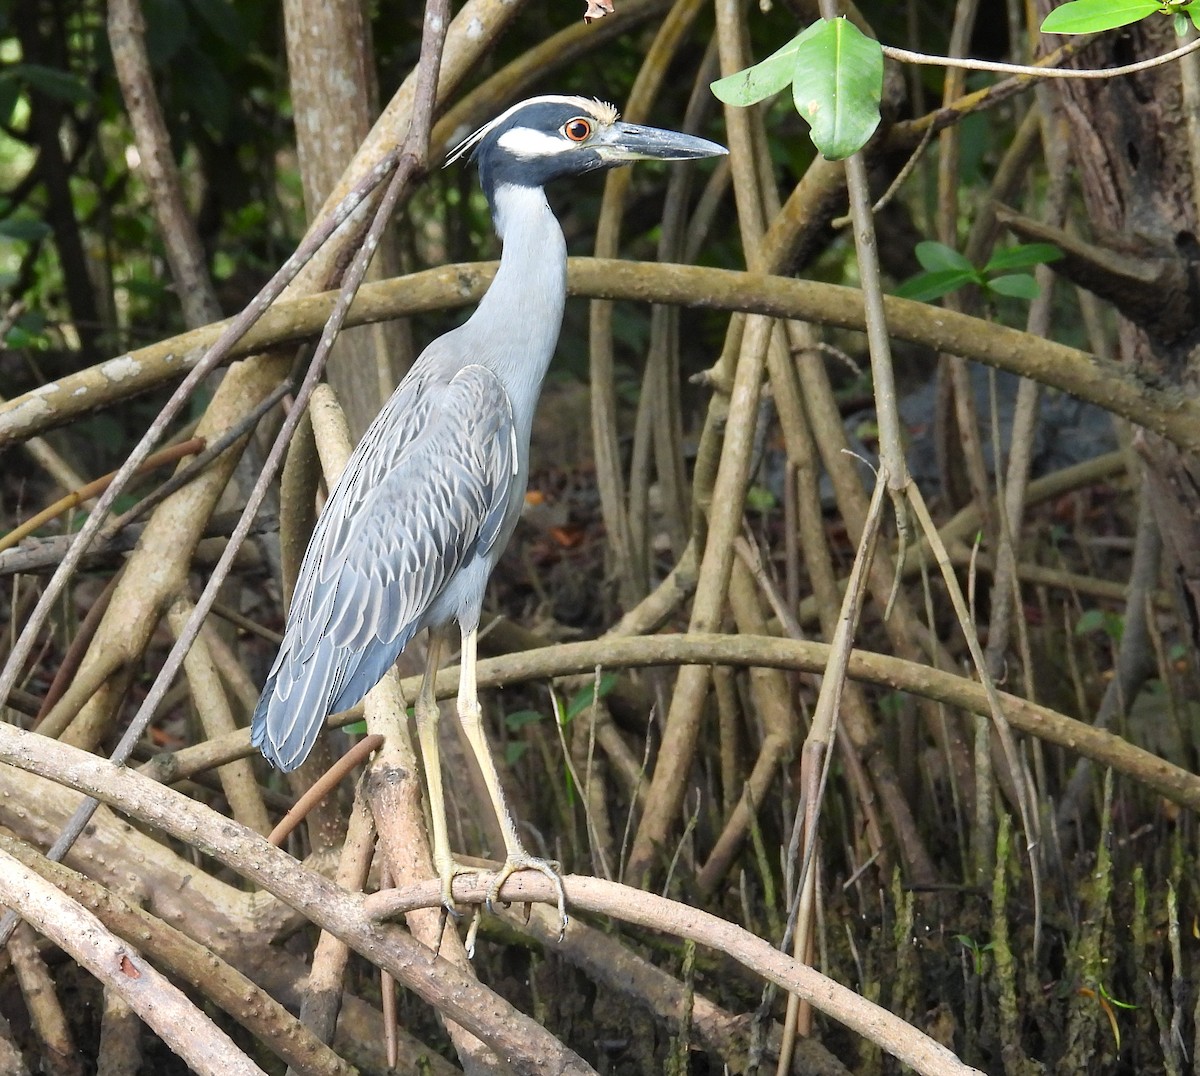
515,328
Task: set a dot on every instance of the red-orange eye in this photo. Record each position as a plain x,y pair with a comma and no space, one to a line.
577,130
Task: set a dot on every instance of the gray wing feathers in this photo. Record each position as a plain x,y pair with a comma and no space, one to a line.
428,488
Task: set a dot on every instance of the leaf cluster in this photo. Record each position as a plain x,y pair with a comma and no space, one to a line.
946,270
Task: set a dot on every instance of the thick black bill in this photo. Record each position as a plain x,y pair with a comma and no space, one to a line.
629,142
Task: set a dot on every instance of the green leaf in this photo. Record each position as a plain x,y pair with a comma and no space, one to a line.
925,287
516,721
1180,24
61,85
17,338
767,77
223,19
1193,12
24,229
205,90
10,94
937,257
583,698
514,751
1091,620
167,29
146,289
1023,256
761,500
1091,16
32,321
1014,285
837,86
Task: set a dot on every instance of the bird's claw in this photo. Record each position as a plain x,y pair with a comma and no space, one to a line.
447,872
548,868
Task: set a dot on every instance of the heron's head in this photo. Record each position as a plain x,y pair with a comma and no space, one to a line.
544,138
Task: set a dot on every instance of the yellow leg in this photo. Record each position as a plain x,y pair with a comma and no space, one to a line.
428,715
516,858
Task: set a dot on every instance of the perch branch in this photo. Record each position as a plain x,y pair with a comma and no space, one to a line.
567,659
1072,371
163,1006
653,912
529,1049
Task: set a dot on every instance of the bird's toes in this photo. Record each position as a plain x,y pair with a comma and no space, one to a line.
472,932
447,872
546,867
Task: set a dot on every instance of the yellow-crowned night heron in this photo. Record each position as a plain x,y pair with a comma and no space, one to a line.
424,508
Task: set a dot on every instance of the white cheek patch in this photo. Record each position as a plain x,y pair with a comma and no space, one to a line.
525,142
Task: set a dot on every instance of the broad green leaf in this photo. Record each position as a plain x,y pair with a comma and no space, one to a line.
1024,256
1112,624
937,257
760,499
1091,620
167,28
61,85
106,432
24,229
17,338
1194,14
520,718
146,289
767,77
223,19
205,90
925,287
1091,16
1015,286
585,696
837,86
10,94
32,321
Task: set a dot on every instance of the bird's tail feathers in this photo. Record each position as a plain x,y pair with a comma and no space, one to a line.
299,695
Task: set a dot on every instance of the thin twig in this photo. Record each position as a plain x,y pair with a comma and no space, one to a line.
171,454
905,56
326,981
817,757
357,755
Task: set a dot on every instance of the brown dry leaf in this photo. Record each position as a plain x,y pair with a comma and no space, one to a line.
597,9
568,537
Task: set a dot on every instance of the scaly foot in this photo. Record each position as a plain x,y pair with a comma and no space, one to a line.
447,872
522,861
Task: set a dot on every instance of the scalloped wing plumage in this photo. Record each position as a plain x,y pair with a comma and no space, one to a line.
427,490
